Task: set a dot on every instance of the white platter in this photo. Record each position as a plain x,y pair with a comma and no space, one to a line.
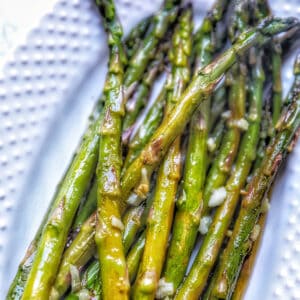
48,86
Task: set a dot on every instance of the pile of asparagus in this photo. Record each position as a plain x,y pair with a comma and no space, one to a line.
172,205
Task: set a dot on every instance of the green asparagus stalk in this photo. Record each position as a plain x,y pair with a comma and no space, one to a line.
135,220
87,208
247,268
265,126
83,247
138,101
244,228
215,138
223,161
91,280
132,219
160,219
109,228
187,217
277,86
218,104
82,163
135,36
17,287
77,255
141,58
90,204
202,84
53,236
147,128
134,257
237,79
195,282
90,284
295,85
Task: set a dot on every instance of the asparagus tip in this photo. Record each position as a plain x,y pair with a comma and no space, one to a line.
272,25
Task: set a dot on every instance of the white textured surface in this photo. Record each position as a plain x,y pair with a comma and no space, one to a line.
47,89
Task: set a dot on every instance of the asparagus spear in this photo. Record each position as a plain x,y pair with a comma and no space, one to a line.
90,284
187,217
83,246
132,218
277,86
248,264
208,253
222,163
202,84
218,104
83,163
77,255
138,101
135,219
90,281
60,218
108,237
134,256
160,219
145,131
141,58
215,138
265,126
135,36
241,239
87,208
132,259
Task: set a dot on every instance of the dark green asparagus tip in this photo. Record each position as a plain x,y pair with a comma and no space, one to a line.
111,23
169,4
217,11
271,25
297,65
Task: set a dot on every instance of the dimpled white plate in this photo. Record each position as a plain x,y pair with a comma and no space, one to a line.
48,86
